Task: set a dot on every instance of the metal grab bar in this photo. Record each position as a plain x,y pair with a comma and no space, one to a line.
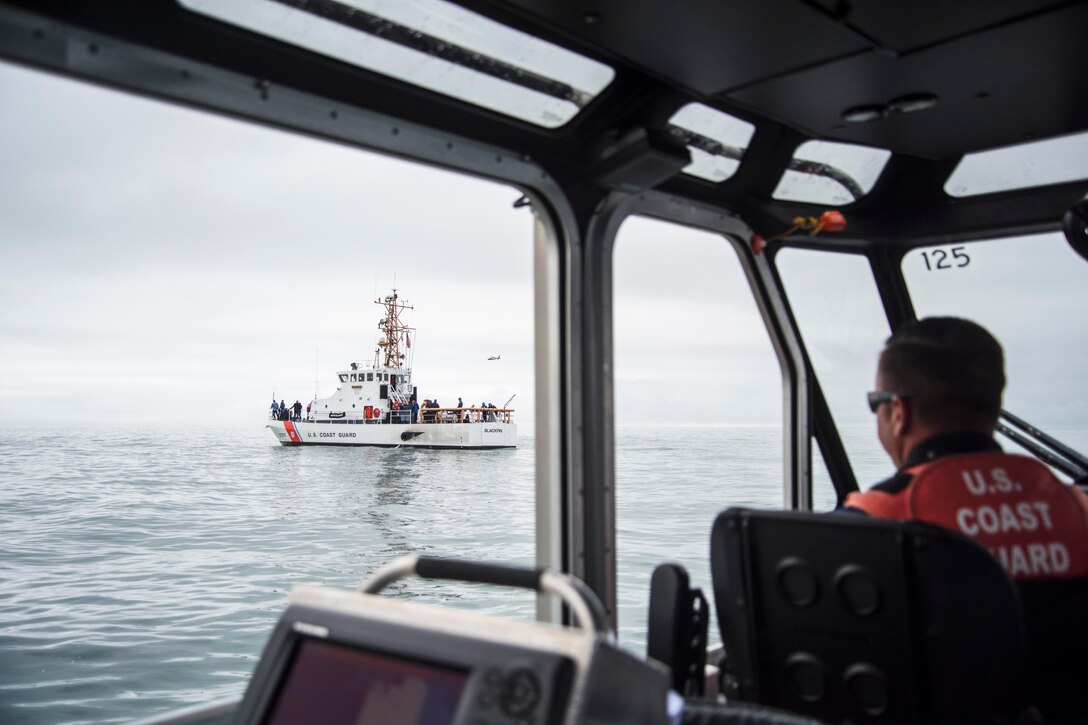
1057,446
583,602
1058,455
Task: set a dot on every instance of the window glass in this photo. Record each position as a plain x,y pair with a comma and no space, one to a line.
823,491
1051,161
844,334
343,377
716,140
824,172
436,45
168,250
1029,292
705,435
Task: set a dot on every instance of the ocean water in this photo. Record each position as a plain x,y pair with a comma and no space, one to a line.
141,572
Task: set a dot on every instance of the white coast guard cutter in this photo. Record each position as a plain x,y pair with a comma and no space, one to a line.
372,405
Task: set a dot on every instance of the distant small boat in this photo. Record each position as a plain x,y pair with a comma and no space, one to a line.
495,357
372,405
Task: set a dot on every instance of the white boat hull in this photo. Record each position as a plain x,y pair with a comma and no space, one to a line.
391,435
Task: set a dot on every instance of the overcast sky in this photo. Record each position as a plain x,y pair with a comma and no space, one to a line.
161,264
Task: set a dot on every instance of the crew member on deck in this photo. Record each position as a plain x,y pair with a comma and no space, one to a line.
937,400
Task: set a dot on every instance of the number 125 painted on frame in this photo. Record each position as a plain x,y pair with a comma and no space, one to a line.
941,259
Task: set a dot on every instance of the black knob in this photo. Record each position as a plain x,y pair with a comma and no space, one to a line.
520,693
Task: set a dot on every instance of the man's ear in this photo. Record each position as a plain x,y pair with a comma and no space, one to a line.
902,417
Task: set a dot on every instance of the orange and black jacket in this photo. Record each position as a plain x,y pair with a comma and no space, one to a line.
1013,505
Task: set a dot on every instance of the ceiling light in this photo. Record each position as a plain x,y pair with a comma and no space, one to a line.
863,114
912,102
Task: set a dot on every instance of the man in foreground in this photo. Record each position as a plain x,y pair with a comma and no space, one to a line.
937,400
938,397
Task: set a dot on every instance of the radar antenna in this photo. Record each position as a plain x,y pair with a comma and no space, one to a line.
394,332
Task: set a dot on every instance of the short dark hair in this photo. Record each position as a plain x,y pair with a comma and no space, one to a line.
953,369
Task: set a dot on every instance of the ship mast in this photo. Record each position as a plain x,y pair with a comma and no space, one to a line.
395,331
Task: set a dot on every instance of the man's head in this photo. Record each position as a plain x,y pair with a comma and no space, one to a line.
945,374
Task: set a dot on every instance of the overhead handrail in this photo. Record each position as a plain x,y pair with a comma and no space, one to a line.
358,19
801,166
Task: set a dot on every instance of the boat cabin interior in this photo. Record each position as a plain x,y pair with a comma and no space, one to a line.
926,144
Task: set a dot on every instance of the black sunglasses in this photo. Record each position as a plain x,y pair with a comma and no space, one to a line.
878,398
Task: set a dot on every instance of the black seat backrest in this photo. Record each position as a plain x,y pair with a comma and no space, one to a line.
1057,648
845,617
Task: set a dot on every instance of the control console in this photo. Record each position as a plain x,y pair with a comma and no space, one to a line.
356,657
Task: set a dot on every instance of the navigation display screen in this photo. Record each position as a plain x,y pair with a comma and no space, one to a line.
330,683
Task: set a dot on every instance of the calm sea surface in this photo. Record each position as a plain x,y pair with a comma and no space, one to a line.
141,572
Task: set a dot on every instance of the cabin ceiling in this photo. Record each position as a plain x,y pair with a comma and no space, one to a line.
1017,67
1002,72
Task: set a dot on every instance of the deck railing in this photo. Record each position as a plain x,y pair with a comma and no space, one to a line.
426,415
466,415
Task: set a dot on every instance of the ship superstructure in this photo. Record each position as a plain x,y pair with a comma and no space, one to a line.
383,389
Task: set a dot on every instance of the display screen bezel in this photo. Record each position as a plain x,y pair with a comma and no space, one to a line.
332,681
485,661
